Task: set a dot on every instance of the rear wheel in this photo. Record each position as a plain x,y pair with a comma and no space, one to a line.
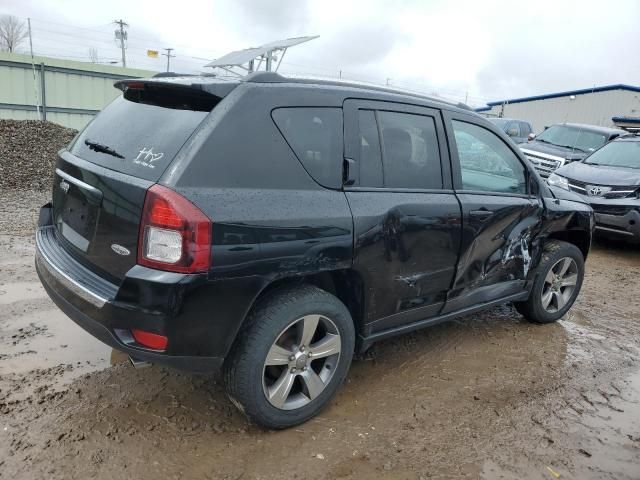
291,358
559,279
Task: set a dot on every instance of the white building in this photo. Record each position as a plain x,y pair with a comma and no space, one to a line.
608,106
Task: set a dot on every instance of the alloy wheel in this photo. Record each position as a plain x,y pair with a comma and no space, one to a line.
301,362
559,284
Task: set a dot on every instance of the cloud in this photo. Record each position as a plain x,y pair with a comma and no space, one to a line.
486,50
267,17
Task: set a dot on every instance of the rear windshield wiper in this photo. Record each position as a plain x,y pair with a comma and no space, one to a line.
98,147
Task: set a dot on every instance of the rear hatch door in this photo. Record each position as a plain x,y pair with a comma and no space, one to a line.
101,181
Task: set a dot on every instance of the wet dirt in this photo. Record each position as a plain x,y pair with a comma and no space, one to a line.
487,396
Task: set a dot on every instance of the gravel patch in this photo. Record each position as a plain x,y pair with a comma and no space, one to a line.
28,151
19,210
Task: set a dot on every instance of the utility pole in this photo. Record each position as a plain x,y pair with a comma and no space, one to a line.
121,36
33,66
169,57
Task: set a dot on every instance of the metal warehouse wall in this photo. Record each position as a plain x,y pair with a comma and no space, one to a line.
73,91
592,108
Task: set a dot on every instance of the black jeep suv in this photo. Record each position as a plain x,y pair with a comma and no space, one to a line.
275,226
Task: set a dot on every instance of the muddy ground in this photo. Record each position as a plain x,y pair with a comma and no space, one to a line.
488,396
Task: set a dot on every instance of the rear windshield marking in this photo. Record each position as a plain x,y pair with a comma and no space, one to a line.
146,157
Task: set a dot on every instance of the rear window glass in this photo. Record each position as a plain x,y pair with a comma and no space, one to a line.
136,138
315,136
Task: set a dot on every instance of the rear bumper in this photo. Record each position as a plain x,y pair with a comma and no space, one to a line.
199,317
105,335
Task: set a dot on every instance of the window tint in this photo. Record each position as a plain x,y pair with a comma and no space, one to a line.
147,136
486,163
370,159
411,155
315,135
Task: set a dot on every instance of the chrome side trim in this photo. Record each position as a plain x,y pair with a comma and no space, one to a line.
45,263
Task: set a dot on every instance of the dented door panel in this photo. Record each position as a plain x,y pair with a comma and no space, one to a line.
496,248
406,251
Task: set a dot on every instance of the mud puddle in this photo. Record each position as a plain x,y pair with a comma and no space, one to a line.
39,345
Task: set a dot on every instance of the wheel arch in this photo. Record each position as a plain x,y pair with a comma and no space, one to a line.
345,284
578,237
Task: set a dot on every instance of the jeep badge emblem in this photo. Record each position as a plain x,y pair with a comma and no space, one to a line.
119,249
64,186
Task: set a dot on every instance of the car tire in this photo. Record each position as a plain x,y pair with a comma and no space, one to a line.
271,355
558,281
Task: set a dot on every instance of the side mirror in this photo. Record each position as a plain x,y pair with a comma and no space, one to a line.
531,136
512,132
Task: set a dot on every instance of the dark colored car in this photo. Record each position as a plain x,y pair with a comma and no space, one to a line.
564,143
518,130
609,180
275,226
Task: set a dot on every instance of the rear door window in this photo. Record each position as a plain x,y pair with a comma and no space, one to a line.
315,136
411,156
136,138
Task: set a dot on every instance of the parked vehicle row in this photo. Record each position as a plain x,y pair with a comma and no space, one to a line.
609,180
274,227
600,164
564,143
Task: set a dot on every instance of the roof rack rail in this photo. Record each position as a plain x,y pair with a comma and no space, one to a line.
273,77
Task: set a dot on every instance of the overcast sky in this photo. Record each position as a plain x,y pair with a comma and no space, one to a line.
488,50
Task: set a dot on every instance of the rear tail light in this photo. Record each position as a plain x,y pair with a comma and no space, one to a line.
174,234
150,340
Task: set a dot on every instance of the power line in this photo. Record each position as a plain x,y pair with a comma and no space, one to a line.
135,46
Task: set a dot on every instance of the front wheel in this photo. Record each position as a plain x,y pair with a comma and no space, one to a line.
291,357
558,282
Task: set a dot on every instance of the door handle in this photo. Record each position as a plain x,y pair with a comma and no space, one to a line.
348,172
481,213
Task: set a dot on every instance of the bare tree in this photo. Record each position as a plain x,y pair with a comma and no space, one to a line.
93,55
12,32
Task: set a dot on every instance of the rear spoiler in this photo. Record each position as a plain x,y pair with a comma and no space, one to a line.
184,84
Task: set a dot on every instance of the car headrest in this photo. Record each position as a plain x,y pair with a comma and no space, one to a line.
397,144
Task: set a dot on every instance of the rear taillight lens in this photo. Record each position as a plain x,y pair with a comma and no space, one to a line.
174,234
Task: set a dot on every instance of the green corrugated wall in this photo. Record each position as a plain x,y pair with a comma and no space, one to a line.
76,85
